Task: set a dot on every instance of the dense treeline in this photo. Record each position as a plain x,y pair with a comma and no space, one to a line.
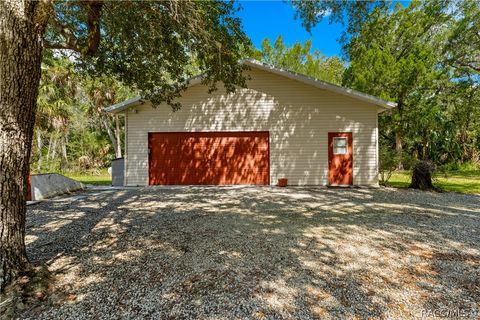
72,132
424,56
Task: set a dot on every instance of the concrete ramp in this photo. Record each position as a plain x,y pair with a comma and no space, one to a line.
52,184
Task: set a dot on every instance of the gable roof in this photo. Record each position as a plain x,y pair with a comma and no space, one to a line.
383,104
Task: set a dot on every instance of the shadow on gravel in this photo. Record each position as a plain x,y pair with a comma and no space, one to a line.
245,252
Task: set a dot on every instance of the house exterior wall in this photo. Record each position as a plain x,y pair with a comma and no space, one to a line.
298,117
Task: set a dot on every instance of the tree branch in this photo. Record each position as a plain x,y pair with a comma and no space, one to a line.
93,24
470,64
70,42
58,45
42,9
90,47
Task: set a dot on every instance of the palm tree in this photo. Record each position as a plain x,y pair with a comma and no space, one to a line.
56,96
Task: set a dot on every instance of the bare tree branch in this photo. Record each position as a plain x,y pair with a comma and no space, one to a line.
70,41
58,45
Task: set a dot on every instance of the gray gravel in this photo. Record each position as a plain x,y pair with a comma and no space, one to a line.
266,253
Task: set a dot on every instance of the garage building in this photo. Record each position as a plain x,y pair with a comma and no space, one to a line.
283,125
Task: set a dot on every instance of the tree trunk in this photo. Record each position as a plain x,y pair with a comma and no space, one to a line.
64,149
40,149
49,150
398,132
398,147
20,58
118,133
422,176
113,140
54,146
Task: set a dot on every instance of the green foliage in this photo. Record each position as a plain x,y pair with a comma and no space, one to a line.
56,93
396,53
425,57
463,46
464,168
151,45
388,162
405,56
72,131
88,149
299,58
351,13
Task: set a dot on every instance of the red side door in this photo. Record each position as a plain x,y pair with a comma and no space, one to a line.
340,158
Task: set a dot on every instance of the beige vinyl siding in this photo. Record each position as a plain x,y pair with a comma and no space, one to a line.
298,117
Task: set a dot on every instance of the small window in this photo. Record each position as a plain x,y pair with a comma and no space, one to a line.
340,145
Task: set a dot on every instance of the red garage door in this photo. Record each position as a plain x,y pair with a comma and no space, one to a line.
209,158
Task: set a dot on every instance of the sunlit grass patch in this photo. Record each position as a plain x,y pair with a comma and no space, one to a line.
456,181
100,178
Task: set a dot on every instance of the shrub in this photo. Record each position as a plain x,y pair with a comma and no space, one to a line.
389,160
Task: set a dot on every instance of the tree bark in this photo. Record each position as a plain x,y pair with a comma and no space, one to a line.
422,176
118,133
39,147
399,147
54,146
111,135
64,149
64,159
398,134
20,58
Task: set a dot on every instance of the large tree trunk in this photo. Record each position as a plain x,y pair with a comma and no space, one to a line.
422,176
20,58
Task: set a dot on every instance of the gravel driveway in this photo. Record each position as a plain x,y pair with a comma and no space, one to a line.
258,252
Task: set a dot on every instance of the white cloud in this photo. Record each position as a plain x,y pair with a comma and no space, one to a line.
324,13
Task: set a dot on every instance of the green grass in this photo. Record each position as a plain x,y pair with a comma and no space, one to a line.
101,178
465,181
456,181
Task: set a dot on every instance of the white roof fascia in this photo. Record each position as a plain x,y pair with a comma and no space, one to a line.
124,105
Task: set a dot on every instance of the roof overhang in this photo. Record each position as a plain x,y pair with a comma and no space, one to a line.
124,105
382,104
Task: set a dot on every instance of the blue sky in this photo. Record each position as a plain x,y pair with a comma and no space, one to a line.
268,19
